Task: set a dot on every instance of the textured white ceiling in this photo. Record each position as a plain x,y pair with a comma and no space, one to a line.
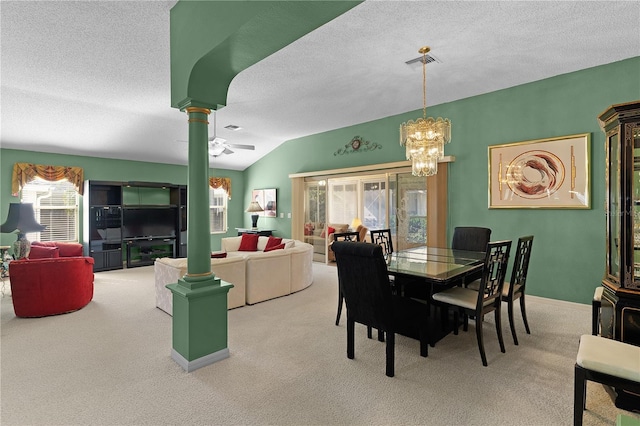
92,77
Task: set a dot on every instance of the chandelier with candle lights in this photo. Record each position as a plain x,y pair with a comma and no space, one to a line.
424,138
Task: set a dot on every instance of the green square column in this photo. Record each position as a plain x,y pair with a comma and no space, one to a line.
199,322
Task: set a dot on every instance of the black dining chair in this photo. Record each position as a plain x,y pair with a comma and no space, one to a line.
364,280
351,237
382,237
515,288
486,299
470,238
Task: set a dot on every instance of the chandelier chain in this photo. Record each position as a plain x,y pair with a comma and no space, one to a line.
424,85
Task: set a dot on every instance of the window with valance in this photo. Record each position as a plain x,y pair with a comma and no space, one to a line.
219,194
23,173
220,182
53,191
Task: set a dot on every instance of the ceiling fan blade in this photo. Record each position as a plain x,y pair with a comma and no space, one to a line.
227,151
216,140
216,150
238,146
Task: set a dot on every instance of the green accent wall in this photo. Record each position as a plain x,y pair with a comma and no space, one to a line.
121,171
569,247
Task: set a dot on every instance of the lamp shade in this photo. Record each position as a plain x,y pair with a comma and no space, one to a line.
254,207
355,223
21,218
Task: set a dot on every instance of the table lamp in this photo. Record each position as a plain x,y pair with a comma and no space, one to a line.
21,218
355,223
254,208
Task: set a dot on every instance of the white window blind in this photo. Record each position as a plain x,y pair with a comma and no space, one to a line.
343,204
218,210
56,206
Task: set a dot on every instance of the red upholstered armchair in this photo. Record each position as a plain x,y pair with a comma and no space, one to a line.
48,284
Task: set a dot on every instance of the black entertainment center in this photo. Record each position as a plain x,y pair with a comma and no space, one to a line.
145,219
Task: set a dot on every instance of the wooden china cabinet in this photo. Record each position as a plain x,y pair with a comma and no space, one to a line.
620,311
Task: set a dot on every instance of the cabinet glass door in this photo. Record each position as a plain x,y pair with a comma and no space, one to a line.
613,218
635,134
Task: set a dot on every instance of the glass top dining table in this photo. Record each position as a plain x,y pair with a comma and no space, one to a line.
437,265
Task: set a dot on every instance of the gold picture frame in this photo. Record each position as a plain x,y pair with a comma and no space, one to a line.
551,173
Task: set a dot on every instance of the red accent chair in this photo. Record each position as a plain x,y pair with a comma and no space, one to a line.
51,284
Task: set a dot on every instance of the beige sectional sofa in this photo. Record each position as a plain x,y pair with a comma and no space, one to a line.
275,273
256,276
229,270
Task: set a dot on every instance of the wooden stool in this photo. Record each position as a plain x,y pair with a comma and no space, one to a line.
595,310
605,361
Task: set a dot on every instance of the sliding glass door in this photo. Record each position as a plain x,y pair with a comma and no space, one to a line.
315,201
374,206
359,197
414,208
408,196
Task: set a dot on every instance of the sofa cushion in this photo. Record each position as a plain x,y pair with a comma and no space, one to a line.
278,247
249,242
43,252
44,243
273,242
66,249
70,249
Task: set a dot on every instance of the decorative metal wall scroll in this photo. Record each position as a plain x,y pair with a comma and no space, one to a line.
357,144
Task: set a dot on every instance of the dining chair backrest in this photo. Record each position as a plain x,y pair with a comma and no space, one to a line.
494,271
520,265
470,238
346,236
382,237
363,279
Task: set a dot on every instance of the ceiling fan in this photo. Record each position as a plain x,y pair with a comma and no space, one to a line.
219,146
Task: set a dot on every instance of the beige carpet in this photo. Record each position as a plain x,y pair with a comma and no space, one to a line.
110,364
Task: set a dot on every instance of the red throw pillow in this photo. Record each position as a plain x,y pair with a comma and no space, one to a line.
218,255
43,252
273,241
249,242
308,229
330,229
272,248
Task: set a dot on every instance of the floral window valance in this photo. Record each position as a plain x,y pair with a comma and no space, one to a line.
224,183
23,173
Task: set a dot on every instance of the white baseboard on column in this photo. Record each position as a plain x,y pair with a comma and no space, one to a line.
190,366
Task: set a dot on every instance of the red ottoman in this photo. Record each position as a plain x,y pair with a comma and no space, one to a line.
41,287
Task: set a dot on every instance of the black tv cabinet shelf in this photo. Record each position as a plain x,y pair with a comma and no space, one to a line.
117,214
144,251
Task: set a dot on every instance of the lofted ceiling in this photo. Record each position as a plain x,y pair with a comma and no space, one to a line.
92,77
